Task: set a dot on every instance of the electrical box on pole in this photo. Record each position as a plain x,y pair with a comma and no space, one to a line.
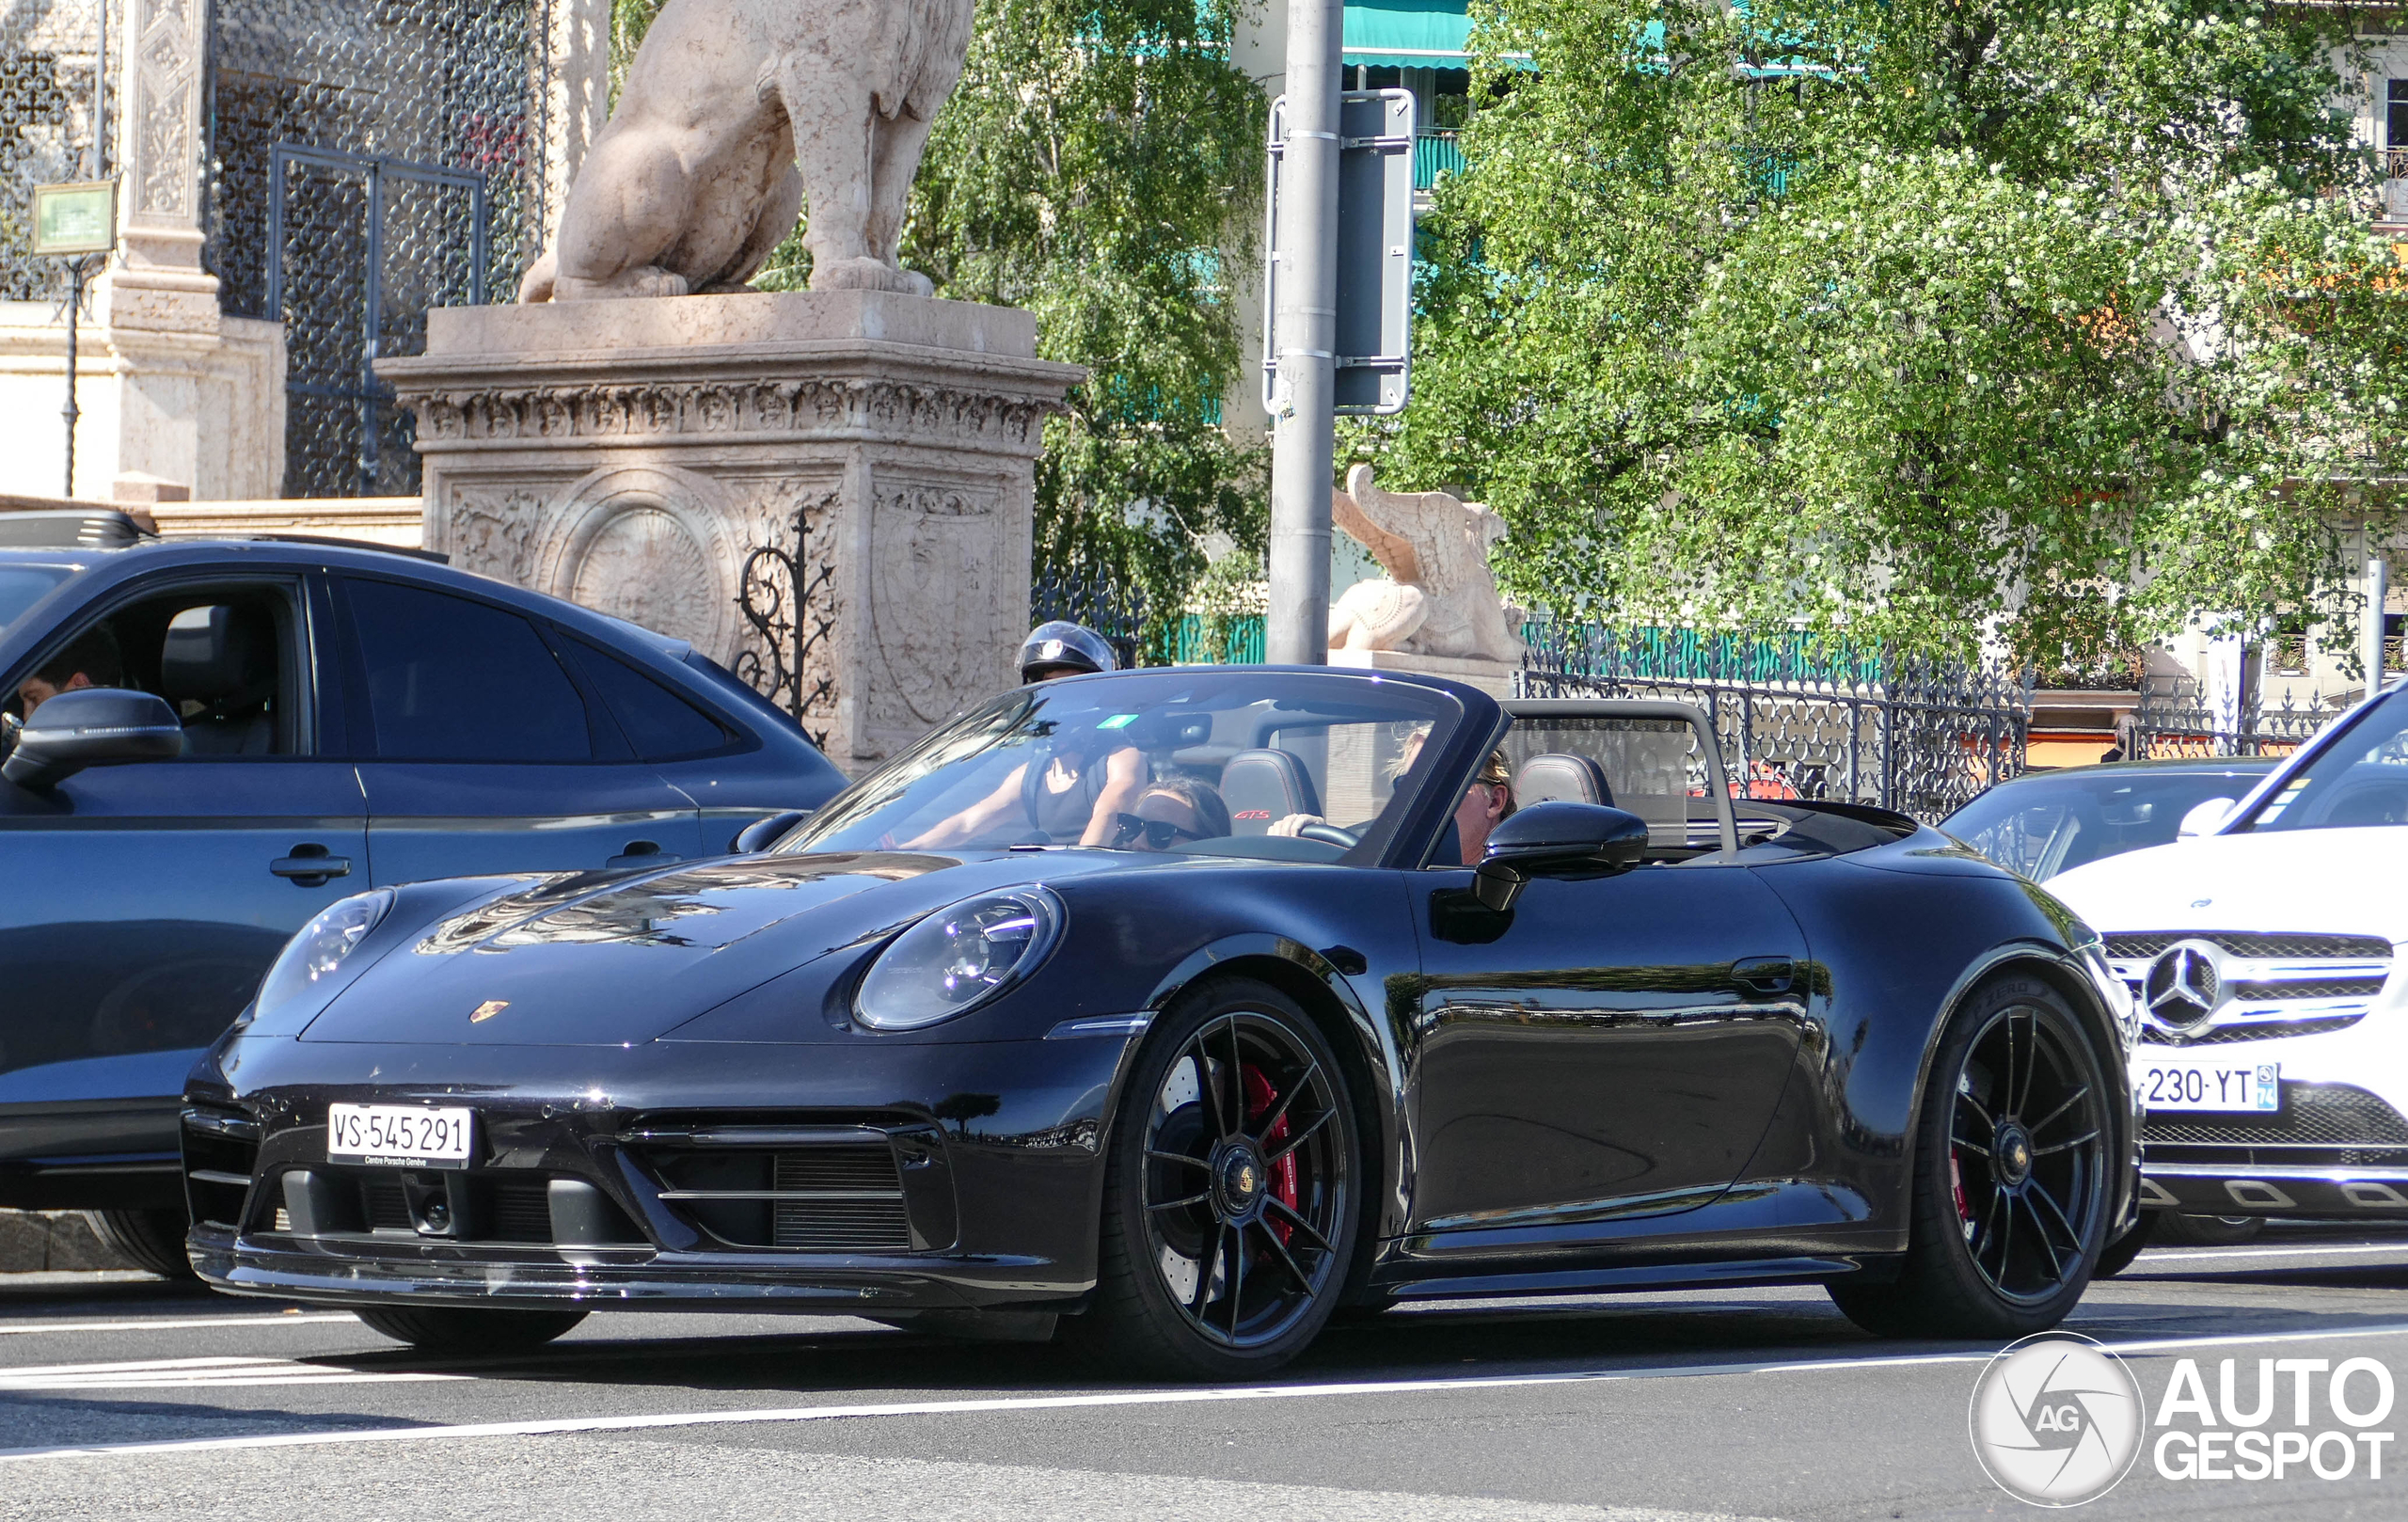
1375,339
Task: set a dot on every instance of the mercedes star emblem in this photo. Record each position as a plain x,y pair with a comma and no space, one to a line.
2186,984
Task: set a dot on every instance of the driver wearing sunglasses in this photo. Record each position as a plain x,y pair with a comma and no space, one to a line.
1170,812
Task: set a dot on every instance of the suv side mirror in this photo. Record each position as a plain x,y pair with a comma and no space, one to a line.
92,726
1554,837
761,833
2205,818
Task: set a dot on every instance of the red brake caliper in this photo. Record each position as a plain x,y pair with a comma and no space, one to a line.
1259,1095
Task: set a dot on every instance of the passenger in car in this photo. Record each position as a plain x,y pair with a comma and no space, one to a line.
1172,811
92,661
1485,804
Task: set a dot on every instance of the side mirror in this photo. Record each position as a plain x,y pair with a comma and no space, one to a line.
1554,837
761,833
2207,817
92,726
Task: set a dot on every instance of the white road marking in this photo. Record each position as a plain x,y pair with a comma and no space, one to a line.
2398,1249
178,1323
171,1373
1127,1398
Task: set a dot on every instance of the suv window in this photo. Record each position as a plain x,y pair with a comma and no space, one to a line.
224,657
453,679
660,723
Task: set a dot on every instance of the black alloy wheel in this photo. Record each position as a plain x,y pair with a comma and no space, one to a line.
2206,1231
1231,1199
2012,1190
468,1328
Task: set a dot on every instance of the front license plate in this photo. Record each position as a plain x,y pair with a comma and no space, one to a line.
2200,1083
398,1135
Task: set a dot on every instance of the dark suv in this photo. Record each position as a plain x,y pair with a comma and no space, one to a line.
304,722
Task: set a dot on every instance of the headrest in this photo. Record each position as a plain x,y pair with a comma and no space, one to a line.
1560,778
1262,787
215,652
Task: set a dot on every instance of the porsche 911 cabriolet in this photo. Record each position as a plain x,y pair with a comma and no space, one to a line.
1170,1013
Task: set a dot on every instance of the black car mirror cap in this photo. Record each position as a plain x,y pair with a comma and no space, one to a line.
1555,837
92,726
762,833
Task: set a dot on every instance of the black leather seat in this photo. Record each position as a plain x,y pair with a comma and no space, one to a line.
224,658
1262,787
1558,777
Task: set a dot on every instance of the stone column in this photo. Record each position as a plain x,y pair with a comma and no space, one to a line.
629,456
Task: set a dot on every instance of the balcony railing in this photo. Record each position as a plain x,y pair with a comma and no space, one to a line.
1437,150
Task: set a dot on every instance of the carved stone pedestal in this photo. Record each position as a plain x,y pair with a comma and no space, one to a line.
1493,677
630,455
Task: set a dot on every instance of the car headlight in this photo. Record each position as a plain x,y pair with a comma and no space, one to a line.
958,959
311,956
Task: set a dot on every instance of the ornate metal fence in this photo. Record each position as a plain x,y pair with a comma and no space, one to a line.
372,160
2176,719
789,599
51,117
1921,738
1097,597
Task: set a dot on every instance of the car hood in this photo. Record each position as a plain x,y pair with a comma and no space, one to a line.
633,957
2335,881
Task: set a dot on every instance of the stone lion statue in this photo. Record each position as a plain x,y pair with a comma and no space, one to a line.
1439,597
737,112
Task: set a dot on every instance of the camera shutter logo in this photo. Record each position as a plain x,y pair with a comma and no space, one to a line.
2056,1419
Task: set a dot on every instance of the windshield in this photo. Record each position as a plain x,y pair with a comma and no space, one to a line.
22,586
1201,761
2361,780
2042,825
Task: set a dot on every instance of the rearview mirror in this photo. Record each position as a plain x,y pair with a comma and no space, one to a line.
1555,837
92,726
2205,818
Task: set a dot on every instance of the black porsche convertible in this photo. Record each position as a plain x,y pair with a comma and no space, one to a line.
1172,1013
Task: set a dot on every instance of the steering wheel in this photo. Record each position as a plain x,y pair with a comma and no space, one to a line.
1329,835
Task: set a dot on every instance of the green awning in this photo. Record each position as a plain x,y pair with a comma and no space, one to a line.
1407,33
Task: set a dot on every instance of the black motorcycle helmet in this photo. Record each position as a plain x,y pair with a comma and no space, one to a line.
1063,649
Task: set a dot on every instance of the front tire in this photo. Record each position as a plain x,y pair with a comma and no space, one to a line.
1230,1194
152,1240
2009,1204
467,1330
2208,1230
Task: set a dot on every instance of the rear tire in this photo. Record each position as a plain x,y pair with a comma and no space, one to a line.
1231,1197
152,1240
2208,1230
2008,1208
465,1329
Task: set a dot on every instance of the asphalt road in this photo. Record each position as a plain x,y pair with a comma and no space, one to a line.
123,1397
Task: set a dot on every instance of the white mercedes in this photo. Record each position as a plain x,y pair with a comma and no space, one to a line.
2261,948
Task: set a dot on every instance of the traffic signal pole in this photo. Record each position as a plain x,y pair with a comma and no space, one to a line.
1302,442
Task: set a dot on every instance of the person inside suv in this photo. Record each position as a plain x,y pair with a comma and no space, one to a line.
92,661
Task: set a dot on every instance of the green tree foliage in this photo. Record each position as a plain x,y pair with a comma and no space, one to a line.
1914,320
1097,163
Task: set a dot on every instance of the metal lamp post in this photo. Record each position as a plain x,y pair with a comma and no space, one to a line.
1305,335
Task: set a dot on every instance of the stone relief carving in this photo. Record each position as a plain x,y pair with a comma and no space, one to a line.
645,566
721,408
936,584
493,533
731,112
1439,597
162,108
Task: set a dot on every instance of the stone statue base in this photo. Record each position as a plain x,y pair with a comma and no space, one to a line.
630,455
1494,677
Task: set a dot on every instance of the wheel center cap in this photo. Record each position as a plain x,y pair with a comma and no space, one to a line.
2013,1151
1240,1177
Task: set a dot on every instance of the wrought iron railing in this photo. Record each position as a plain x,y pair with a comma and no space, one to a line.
1919,736
51,125
788,597
2176,719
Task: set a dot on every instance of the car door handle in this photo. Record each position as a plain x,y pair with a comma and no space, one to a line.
311,866
1763,975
